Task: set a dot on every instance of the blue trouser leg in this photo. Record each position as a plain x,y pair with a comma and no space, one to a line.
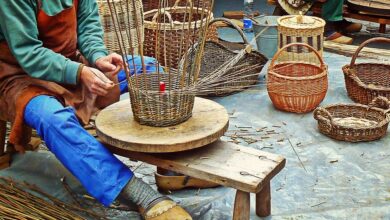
99,171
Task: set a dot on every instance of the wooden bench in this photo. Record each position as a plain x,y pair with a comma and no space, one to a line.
243,168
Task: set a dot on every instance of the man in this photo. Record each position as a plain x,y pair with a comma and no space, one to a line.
44,85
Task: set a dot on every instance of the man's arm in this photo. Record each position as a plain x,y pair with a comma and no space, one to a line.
19,26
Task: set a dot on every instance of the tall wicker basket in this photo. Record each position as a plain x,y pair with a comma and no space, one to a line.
365,81
135,20
169,28
297,86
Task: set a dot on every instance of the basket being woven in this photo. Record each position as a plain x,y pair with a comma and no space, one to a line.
168,27
296,86
354,122
216,54
365,81
125,6
154,4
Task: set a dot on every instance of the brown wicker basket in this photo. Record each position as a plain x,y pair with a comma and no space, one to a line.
216,55
365,81
154,4
154,108
296,86
172,35
354,122
110,38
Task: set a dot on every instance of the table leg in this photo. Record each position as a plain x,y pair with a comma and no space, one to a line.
382,28
263,201
241,206
3,132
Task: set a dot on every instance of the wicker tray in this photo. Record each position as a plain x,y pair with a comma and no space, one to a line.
365,81
217,54
297,86
354,122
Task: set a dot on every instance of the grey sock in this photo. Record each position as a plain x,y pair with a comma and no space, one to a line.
139,192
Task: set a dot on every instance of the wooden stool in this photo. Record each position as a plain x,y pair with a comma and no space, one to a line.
242,168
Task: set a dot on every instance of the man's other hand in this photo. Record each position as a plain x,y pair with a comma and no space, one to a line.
109,63
96,82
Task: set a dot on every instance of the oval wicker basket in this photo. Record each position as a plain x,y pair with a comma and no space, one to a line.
365,81
354,122
176,34
137,22
296,86
154,108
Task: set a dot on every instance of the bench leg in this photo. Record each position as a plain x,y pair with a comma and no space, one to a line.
382,28
4,158
263,201
241,206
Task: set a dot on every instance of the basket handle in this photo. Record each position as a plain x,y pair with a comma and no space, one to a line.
321,114
178,1
365,43
295,44
232,25
380,102
166,13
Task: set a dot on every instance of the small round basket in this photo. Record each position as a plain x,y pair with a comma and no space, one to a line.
296,86
152,107
365,81
354,122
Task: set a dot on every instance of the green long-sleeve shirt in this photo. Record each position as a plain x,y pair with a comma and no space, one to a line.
18,27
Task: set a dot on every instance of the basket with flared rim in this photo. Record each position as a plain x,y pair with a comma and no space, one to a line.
154,107
354,122
297,86
365,81
128,22
175,29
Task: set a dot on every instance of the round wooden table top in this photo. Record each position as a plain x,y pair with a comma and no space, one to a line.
116,126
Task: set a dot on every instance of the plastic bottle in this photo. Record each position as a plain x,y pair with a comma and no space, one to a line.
248,14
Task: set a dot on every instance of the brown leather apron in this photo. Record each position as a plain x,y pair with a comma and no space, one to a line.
58,33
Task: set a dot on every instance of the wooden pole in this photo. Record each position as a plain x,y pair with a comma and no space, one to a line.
263,201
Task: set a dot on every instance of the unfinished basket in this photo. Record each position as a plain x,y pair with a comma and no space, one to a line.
354,122
217,54
154,4
171,28
134,18
297,86
365,81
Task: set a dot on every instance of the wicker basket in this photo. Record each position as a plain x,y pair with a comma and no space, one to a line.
217,54
154,108
296,86
110,38
354,122
171,34
300,29
365,81
154,4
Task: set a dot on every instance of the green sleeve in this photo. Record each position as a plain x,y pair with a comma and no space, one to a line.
90,33
19,26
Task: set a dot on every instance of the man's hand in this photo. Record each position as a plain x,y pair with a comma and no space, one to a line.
96,82
109,63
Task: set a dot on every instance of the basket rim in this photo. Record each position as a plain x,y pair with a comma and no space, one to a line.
354,77
323,73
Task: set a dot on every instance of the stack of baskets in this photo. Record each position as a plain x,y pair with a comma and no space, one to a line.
133,17
297,86
365,81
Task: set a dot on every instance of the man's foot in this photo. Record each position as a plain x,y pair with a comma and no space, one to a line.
345,26
165,209
336,37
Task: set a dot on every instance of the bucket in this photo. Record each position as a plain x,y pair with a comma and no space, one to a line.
267,42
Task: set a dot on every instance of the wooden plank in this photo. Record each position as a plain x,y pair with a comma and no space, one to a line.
3,132
263,201
221,162
237,14
242,206
349,50
116,126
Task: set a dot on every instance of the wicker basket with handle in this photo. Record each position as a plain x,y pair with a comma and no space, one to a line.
365,81
354,122
297,86
173,32
127,8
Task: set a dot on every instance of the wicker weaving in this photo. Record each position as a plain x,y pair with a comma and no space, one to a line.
154,4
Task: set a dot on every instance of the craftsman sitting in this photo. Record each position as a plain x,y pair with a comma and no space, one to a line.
336,25
45,84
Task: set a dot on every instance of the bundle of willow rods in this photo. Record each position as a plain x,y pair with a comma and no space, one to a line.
16,203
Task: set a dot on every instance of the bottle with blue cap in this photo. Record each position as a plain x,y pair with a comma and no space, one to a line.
248,15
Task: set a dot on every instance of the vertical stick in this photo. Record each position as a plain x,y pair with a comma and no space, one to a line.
3,132
263,201
241,206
